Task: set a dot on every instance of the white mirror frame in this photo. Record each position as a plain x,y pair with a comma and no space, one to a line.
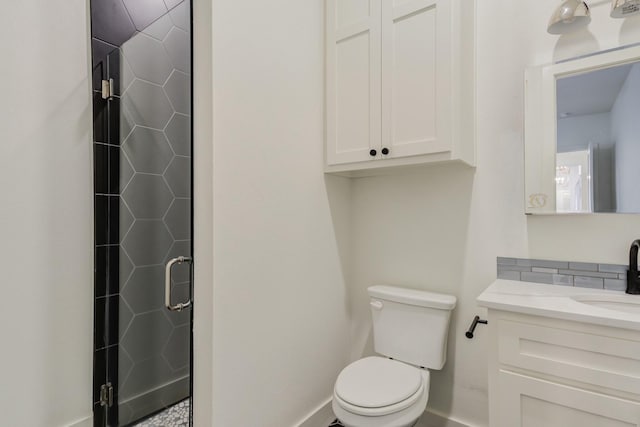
540,122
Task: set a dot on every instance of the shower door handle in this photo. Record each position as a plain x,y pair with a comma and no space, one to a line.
167,284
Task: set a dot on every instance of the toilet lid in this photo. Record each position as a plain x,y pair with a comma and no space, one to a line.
375,382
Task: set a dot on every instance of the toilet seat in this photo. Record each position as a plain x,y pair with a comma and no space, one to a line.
376,386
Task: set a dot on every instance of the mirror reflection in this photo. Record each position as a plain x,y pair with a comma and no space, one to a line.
598,141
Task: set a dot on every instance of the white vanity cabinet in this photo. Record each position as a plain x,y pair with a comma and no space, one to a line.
399,83
558,373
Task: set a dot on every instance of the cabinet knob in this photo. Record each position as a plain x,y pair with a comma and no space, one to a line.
372,153
385,151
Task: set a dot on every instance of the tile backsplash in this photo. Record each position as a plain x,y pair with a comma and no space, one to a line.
566,273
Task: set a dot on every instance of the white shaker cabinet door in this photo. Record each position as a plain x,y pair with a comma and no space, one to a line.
353,61
534,402
416,76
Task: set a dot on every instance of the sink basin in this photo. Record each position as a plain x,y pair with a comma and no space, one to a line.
624,303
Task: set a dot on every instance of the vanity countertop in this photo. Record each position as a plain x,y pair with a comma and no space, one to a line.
597,306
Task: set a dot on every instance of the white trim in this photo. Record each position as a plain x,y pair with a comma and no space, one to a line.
203,212
322,416
85,422
436,418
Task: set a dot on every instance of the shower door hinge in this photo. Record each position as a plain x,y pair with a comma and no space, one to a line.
106,395
108,90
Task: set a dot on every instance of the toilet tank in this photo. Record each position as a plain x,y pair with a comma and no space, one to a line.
411,325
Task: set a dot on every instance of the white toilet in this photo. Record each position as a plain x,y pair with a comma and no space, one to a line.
410,329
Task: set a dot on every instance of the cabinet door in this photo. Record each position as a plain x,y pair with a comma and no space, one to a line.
532,402
353,80
416,76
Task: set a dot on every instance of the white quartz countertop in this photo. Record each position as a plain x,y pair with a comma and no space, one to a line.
563,302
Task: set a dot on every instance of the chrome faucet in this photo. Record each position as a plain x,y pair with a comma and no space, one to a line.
633,277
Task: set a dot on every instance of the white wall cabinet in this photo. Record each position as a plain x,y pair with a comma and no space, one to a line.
555,373
399,83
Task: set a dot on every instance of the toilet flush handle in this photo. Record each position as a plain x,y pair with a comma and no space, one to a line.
376,305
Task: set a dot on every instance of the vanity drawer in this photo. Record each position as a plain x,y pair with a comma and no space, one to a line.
532,402
586,357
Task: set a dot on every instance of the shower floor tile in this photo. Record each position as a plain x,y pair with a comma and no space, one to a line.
175,416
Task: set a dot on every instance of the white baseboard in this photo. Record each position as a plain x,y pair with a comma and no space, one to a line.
320,417
436,419
323,415
85,422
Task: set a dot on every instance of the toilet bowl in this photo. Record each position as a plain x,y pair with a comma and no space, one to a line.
380,392
410,329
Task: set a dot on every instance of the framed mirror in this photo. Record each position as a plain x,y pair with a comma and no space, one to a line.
582,135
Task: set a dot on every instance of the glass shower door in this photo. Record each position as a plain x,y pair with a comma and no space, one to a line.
144,375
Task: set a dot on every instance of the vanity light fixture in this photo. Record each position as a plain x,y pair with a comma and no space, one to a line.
570,16
624,8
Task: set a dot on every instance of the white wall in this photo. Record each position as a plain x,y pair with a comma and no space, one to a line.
442,228
46,214
284,235
626,133
280,311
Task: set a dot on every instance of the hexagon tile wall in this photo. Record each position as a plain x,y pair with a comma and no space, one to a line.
155,217
142,167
